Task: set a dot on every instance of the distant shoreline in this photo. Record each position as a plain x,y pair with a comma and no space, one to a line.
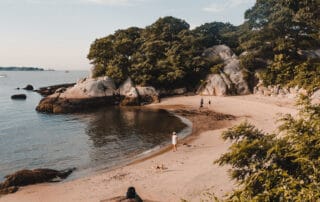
23,69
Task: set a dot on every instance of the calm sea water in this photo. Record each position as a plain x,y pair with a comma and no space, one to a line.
101,139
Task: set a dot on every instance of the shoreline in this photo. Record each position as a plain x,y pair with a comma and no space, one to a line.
186,174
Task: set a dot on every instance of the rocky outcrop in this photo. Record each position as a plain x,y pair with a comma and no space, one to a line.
19,97
28,177
230,80
278,91
129,94
136,95
28,87
147,94
49,90
84,95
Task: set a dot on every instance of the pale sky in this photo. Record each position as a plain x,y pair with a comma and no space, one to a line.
57,33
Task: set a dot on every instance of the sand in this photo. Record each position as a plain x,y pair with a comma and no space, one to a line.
186,174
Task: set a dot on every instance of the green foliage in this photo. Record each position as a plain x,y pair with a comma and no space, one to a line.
168,54
215,33
165,54
249,63
277,167
276,30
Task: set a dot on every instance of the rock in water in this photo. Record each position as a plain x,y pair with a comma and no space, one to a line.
19,97
28,87
28,177
86,94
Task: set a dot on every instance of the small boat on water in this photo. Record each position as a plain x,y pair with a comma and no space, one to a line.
3,76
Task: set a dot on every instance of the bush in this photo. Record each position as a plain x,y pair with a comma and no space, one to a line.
277,167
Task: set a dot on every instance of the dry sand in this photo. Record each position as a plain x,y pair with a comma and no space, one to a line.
187,174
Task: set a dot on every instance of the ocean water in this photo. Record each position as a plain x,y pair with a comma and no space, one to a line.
101,139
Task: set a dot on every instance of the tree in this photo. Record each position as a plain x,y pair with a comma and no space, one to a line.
277,167
165,54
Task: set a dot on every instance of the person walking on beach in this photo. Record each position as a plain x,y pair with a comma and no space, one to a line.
174,141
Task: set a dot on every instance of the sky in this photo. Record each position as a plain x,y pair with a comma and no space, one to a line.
57,33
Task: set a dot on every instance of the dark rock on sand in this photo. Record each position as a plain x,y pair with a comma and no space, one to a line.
28,177
28,87
19,97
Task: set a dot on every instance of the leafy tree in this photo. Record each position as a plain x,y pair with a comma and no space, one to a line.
165,54
216,33
278,30
277,167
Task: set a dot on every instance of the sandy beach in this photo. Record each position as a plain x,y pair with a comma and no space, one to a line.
186,174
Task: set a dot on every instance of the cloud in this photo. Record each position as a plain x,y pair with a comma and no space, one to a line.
223,6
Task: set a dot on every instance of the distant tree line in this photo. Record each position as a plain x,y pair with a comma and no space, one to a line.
167,53
21,69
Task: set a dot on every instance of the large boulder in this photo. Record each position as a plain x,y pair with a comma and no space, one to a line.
129,94
147,94
230,80
91,87
136,95
27,177
215,85
86,94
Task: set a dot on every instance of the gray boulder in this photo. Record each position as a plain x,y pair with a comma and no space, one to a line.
129,93
136,95
86,94
230,80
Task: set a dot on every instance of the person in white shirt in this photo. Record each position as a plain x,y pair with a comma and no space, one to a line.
174,141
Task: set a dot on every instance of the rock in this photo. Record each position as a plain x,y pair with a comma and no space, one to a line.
147,94
230,81
28,177
28,87
87,94
49,90
129,93
91,87
61,90
134,96
223,51
19,97
215,85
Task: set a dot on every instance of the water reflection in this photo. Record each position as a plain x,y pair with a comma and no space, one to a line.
120,133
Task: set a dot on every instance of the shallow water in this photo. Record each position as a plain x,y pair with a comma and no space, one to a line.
90,141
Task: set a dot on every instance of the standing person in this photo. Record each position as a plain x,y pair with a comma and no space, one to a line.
174,141
209,102
201,102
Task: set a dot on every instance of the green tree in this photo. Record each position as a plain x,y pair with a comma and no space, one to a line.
277,167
